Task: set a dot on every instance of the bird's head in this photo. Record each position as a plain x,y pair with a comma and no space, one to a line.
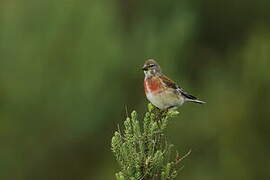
151,68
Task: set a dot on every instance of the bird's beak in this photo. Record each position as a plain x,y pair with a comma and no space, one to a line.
144,68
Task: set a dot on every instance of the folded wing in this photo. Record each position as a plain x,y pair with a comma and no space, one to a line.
170,84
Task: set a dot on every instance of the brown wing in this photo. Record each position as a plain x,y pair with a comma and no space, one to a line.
169,83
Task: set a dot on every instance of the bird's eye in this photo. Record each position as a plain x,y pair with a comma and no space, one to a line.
151,65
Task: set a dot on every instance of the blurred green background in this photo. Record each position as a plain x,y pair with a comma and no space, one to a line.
68,69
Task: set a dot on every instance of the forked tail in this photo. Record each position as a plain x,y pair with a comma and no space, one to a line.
195,101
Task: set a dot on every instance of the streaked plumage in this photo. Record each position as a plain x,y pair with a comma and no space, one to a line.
161,91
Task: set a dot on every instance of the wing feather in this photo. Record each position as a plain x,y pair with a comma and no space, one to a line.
170,84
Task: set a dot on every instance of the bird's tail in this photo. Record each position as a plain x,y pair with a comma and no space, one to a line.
195,101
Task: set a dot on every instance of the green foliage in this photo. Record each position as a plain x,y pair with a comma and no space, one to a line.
143,152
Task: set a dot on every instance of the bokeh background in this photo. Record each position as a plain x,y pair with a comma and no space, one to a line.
70,68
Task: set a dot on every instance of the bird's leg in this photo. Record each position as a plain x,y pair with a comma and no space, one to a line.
164,113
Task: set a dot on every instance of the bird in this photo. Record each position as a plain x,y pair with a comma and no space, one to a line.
161,91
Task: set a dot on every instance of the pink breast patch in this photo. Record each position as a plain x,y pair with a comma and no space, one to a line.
152,85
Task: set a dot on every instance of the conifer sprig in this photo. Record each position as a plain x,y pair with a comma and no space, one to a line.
142,151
